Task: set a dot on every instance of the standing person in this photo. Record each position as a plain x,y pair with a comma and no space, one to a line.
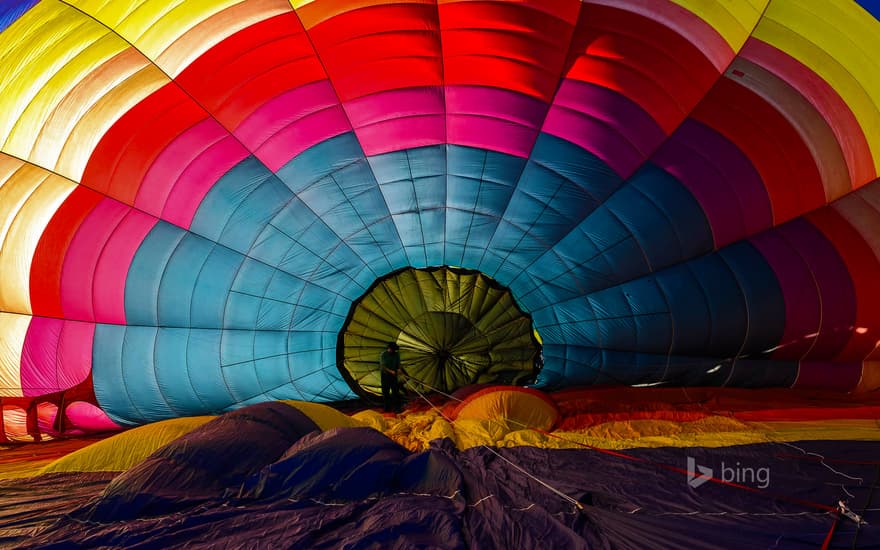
389,362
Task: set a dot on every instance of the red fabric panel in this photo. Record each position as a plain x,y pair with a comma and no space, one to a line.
45,278
380,48
125,153
234,78
864,270
642,59
771,143
484,44
809,413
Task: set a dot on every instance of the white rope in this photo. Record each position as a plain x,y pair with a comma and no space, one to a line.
859,479
556,491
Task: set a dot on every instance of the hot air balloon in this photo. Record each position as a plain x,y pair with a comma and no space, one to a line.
207,206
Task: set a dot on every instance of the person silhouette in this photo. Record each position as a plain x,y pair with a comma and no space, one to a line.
389,362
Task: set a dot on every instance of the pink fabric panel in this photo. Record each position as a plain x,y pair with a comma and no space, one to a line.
89,418
81,260
112,269
284,110
57,355
594,136
198,178
302,134
169,166
492,134
398,119
384,106
402,133
494,119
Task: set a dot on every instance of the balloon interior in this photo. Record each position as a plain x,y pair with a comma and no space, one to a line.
628,253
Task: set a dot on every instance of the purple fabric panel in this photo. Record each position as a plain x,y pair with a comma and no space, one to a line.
802,306
616,111
721,178
835,286
828,376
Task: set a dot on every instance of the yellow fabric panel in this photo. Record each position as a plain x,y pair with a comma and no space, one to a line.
734,21
371,418
29,196
185,49
839,43
518,409
13,328
124,450
173,34
91,106
325,417
43,55
415,431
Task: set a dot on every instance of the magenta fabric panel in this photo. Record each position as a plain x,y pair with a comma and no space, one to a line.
802,306
168,167
302,134
398,119
112,269
88,417
83,254
605,123
57,355
198,178
493,119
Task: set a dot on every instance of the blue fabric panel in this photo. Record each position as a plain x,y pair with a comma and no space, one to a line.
212,290
236,346
650,226
581,167
275,315
111,386
748,373
227,195
251,216
480,183
763,295
203,366
242,381
274,375
320,160
691,233
172,372
179,280
145,274
245,309
253,277
12,10
725,299
871,6
693,320
138,365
